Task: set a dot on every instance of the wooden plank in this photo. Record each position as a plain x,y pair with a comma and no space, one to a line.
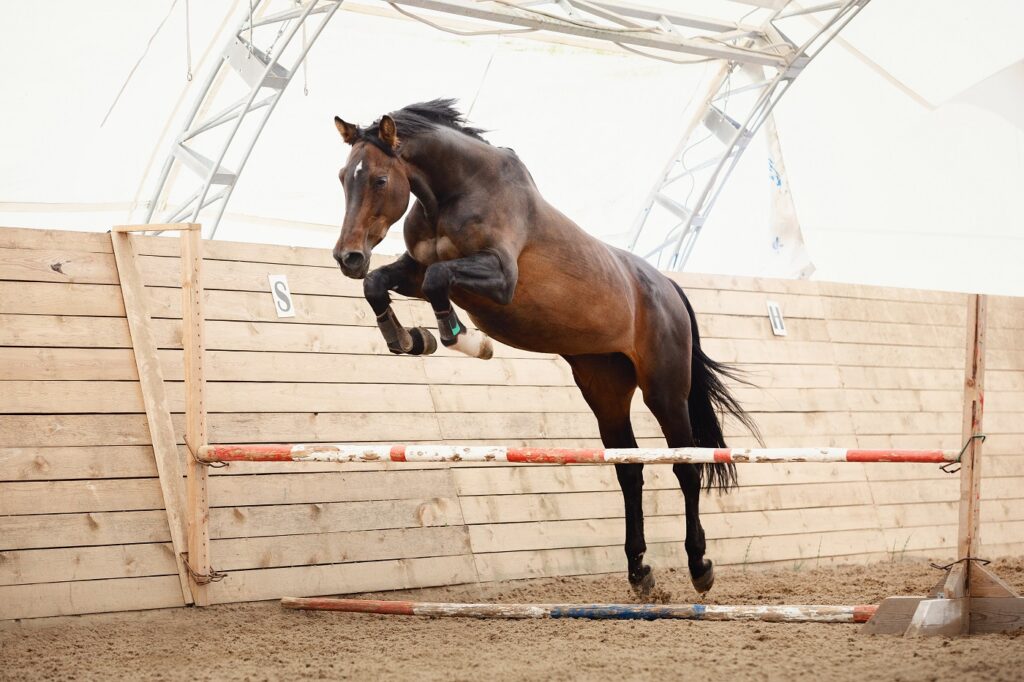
605,559
323,427
131,429
55,463
60,298
34,238
880,293
873,355
67,564
936,537
910,515
274,583
584,425
22,567
338,548
40,531
24,265
62,331
60,497
491,480
63,497
303,519
158,415
248,251
900,378
895,334
64,397
949,315
588,532
335,486
89,596
64,364
997,466
787,511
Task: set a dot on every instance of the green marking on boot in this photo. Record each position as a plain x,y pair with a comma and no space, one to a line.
456,329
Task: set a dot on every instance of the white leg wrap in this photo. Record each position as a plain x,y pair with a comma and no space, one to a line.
474,343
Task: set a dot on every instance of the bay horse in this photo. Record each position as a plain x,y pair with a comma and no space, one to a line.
480,235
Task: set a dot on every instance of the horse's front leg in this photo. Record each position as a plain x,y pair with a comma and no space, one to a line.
404,276
490,274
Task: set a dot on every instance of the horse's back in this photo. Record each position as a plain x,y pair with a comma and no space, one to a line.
576,295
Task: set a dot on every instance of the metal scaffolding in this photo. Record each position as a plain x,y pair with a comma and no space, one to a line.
255,54
738,99
758,63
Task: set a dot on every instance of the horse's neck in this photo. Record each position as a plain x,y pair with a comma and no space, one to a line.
440,167
420,186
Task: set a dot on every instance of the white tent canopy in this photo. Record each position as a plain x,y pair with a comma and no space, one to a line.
903,145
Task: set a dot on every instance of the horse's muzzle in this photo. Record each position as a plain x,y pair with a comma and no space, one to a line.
353,264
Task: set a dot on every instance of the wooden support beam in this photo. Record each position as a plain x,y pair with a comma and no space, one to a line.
193,341
158,414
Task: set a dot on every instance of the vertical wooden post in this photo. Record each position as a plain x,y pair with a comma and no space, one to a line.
968,540
968,544
192,337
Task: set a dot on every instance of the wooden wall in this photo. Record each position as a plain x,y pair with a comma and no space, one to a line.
82,526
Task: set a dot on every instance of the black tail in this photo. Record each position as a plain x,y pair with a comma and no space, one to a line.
708,397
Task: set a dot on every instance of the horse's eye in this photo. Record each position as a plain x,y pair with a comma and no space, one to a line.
381,181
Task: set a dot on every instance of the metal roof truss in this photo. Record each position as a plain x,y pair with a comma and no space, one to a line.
264,55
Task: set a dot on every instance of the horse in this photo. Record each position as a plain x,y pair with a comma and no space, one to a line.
481,236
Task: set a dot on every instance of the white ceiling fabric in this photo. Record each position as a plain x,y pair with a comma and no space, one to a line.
887,190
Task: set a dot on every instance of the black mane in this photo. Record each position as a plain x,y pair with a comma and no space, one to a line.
415,119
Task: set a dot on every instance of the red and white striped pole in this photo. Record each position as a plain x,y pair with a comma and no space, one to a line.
344,452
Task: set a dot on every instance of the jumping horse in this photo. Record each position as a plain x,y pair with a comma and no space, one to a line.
480,235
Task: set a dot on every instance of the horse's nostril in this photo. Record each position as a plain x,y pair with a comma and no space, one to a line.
352,260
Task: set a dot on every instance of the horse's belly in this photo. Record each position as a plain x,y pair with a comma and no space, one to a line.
559,317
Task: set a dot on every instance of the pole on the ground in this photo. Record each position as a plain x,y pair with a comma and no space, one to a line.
775,613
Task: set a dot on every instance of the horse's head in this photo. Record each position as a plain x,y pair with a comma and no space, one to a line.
376,193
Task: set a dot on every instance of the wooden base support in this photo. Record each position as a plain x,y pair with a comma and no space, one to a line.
993,606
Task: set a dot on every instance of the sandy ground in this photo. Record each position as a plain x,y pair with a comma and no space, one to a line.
262,641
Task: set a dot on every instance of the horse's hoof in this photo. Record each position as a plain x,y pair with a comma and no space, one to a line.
486,349
644,585
703,582
423,342
474,343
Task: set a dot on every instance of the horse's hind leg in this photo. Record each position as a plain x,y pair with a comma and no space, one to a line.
608,383
665,389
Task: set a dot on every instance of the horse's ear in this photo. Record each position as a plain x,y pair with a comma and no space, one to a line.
388,131
349,132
